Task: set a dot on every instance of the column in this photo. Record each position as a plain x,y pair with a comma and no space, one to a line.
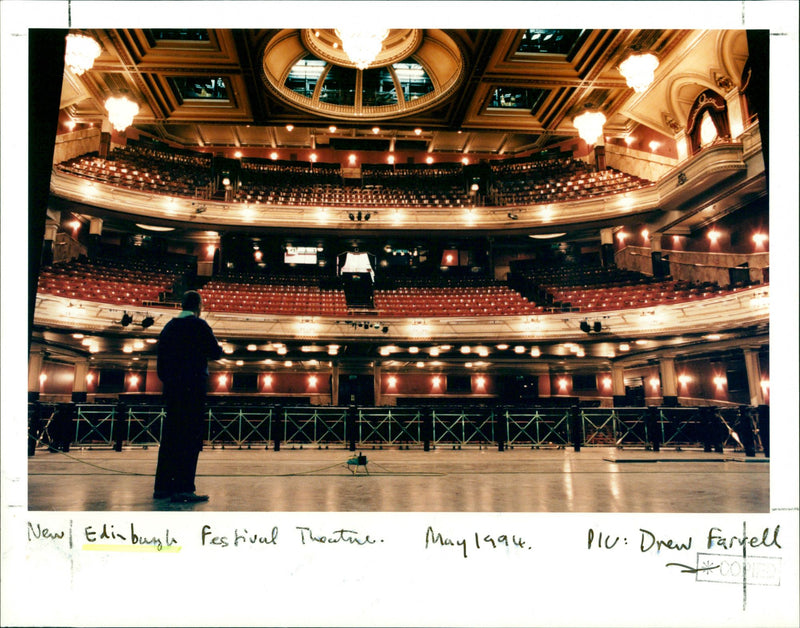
105,139
733,99
655,255
753,377
669,382
618,385
50,233
335,384
35,362
607,247
376,379
600,157
543,383
79,386
95,233
682,144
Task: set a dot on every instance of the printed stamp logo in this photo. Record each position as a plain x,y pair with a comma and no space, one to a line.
732,569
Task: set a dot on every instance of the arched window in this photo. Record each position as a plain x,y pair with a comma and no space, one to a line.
708,131
714,105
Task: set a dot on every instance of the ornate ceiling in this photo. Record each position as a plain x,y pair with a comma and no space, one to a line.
492,91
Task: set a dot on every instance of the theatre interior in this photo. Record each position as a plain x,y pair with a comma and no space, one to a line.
541,243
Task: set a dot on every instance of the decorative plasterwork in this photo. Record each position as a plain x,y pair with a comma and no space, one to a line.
400,44
435,51
725,312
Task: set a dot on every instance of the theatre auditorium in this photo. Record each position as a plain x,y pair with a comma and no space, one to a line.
449,269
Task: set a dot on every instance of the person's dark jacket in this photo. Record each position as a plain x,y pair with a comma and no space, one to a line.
184,348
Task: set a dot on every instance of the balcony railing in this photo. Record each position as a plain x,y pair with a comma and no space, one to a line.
106,425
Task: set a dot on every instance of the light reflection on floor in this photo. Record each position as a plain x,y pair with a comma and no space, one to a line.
442,480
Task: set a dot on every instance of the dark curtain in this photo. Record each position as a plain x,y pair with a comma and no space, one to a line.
46,49
717,109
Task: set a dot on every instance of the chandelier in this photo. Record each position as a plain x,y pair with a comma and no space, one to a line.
362,45
589,125
121,111
638,70
81,53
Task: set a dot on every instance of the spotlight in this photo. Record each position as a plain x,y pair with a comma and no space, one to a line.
358,215
352,217
585,327
513,216
385,330
367,215
147,321
127,319
597,327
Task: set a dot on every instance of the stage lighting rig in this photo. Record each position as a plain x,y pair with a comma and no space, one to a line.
595,327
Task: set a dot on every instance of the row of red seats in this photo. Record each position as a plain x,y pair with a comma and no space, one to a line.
121,294
104,281
350,196
169,179
260,298
577,187
463,301
623,297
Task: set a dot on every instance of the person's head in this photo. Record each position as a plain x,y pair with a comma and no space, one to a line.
191,302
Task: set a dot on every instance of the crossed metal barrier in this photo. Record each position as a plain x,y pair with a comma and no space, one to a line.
314,425
390,426
238,425
140,425
538,426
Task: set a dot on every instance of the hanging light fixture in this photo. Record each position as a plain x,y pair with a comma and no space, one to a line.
590,125
121,111
81,52
639,70
362,45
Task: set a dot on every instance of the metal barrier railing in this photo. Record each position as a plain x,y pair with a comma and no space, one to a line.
96,423
144,424
390,426
314,424
463,426
238,426
538,426
140,425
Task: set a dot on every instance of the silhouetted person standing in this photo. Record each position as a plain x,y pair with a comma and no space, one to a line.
184,347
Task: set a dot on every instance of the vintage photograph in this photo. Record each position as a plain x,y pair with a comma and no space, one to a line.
455,261
328,304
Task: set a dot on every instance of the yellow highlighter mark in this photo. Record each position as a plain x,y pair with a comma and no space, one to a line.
94,547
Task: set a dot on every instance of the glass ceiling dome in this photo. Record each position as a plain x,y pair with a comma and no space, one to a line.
414,70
